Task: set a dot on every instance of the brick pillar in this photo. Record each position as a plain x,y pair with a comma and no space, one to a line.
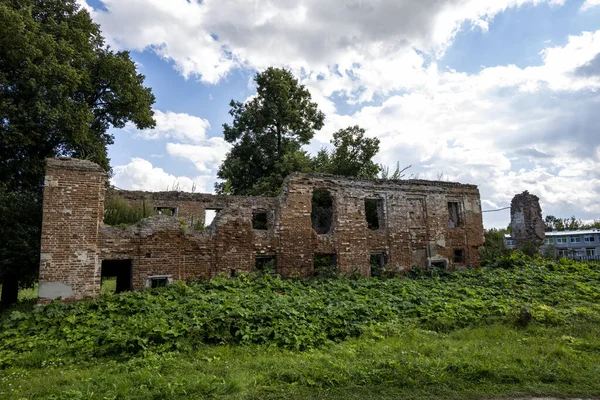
73,211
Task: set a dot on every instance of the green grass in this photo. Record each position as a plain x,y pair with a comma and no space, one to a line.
530,329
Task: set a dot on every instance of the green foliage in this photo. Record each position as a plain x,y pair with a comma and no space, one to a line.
118,211
20,213
302,314
267,134
568,224
61,89
494,247
530,329
352,155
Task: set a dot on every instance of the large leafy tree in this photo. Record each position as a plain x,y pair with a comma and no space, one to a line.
267,134
352,155
61,89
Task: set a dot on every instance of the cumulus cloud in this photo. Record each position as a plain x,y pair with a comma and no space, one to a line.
140,174
205,157
367,38
590,4
178,126
506,129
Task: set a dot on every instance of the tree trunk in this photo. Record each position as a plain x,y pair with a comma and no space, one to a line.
10,292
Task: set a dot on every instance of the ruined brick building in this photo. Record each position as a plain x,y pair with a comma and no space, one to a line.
354,224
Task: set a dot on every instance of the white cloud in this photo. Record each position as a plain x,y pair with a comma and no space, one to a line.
206,157
178,126
590,4
140,174
367,38
506,129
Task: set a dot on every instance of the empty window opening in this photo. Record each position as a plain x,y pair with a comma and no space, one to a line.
159,282
209,215
325,265
170,211
156,281
259,220
377,262
116,276
437,264
322,211
453,214
265,264
459,256
373,213
233,273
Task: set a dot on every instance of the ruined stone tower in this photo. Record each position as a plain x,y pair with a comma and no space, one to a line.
526,222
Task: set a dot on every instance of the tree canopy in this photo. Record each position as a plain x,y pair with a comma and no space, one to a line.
61,89
267,134
352,155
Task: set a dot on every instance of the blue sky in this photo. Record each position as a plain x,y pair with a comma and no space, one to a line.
499,93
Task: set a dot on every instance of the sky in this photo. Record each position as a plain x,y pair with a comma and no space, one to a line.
504,94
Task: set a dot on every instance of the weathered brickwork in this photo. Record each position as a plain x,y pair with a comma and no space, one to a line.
418,223
528,228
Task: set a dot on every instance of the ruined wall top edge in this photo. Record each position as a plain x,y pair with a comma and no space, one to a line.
401,183
74,164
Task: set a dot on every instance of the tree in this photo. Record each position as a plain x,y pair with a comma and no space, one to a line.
352,155
61,89
267,134
493,247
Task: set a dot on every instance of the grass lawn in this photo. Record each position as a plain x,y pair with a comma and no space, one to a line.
532,329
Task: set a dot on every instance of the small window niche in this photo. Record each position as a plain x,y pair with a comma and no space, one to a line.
322,211
374,213
325,265
377,262
156,281
459,256
453,214
169,211
265,264
259,220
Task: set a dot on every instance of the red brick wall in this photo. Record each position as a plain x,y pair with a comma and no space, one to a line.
413,229
73,210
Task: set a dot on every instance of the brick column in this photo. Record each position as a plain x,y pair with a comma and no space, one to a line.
73,211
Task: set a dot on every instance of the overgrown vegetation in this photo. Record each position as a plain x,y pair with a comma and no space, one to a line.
522,327
118,211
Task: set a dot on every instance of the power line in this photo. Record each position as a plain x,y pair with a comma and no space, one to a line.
500,209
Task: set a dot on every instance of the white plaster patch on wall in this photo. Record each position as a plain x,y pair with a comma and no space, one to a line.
50,181
67,211
45,256
81,255
53,290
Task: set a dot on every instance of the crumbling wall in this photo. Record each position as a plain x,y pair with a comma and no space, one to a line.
404,224
72,213
526,222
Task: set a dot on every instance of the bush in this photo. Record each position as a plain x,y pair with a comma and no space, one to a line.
118,211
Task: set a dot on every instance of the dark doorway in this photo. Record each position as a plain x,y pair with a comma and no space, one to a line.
325,265
265,264
322,211
377,261
120,271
